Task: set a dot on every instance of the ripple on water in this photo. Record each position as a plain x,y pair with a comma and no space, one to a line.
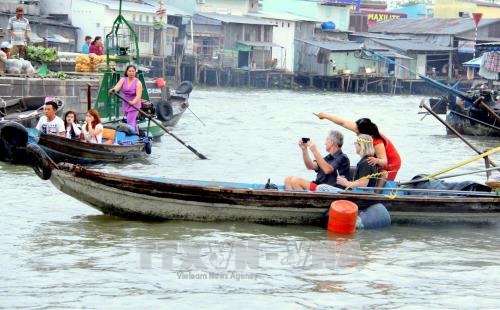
58,252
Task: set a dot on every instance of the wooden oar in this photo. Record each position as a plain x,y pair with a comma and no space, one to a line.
423,105
201,156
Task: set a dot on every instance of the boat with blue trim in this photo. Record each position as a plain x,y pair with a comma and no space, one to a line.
172,199
15,138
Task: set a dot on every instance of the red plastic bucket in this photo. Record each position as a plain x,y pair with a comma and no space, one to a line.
342,218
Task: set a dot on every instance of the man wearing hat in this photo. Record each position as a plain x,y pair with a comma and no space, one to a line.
19,28
4,55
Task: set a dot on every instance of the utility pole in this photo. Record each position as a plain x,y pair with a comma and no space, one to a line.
162,12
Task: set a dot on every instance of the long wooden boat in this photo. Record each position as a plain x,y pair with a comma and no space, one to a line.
14,139
61,149
25,110
171,199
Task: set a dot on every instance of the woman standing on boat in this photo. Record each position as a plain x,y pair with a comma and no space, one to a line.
73,130
132,91
92,129
387,157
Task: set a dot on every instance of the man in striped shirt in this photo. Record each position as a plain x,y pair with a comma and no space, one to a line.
19,28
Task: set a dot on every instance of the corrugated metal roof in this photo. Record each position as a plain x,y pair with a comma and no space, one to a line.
342,46
429,25
258,44
147,7
379,35
412,45
282,16
236,19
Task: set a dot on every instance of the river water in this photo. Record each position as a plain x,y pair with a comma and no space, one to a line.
58,252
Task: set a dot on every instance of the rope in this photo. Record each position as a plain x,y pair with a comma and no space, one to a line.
370,176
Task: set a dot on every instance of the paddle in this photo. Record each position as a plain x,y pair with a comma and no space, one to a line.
196,116
201,156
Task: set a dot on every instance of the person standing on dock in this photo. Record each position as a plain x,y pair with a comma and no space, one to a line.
19,28
334,65
336,163
132,91
387,157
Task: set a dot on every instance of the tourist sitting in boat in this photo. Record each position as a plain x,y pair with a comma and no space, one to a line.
73,130
365,175
92,129
386,155
50,123
132,91
327,168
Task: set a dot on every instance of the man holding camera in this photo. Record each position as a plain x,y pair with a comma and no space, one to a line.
336,163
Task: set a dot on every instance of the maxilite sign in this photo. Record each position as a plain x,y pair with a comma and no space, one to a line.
375,16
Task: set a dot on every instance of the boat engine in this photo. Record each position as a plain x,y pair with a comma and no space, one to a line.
147,107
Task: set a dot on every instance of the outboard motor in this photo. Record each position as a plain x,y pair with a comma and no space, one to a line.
13,142
147,107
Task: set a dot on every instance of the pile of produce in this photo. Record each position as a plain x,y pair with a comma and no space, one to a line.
41,54
89,62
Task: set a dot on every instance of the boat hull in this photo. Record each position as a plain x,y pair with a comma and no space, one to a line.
77,152
469,127
137,198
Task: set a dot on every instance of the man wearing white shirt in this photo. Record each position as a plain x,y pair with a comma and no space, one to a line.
50,123
19,28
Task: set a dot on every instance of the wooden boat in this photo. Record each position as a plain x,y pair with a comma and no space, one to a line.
25,111
171,199
471,120
13,145
169,112
179,104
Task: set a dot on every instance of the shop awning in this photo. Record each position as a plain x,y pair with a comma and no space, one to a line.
56,38
474,63
34,38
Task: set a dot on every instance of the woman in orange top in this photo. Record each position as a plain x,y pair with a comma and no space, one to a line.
386,155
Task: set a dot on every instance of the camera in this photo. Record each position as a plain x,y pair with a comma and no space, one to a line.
305,140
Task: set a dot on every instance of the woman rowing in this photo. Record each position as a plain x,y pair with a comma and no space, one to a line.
386,155
131,88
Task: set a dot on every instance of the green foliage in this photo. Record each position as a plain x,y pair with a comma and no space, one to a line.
41,54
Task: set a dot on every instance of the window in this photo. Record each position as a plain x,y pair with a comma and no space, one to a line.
282,24
147,18
98,25
133,17
140,18
142,33
288,25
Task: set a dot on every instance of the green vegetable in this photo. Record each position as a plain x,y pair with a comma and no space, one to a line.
41,54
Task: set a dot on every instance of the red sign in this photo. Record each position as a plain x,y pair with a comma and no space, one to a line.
477,18
161,11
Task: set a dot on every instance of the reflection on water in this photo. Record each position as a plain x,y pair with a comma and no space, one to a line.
58,252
